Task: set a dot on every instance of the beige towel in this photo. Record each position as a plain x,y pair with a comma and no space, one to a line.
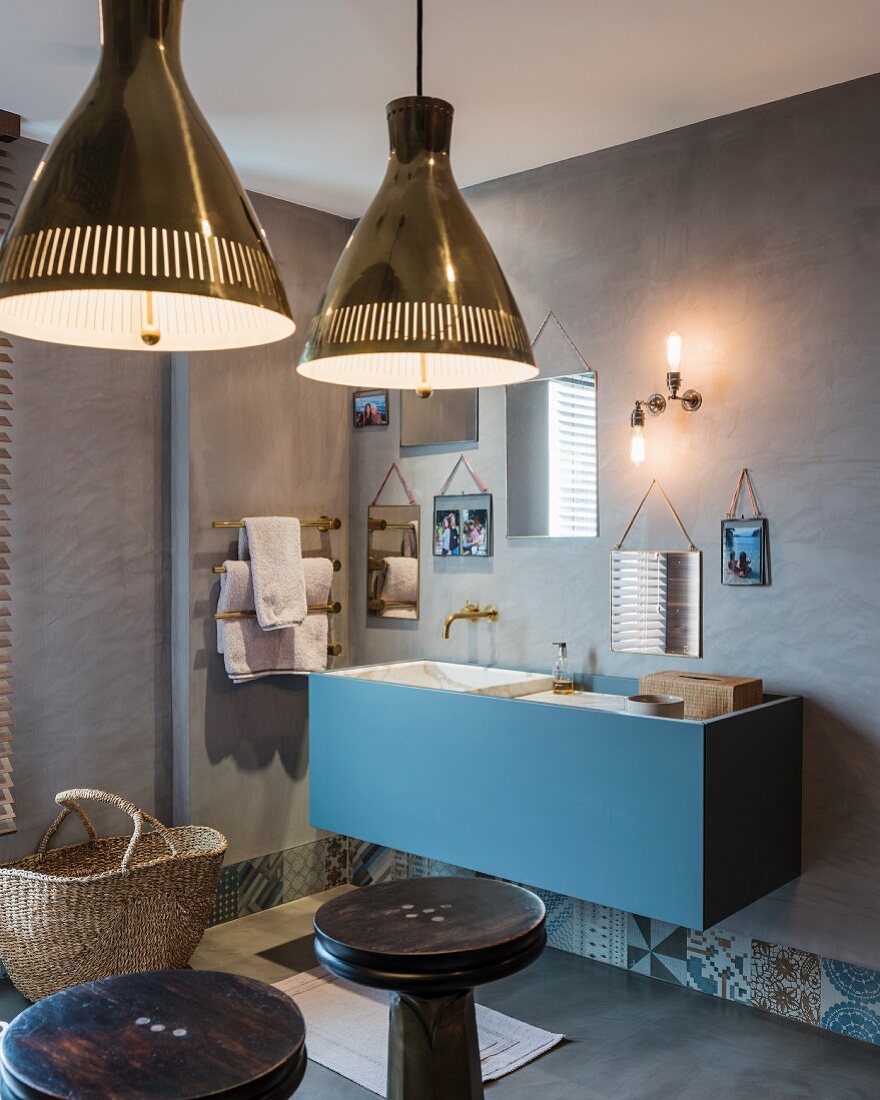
273,545
401,585
250,652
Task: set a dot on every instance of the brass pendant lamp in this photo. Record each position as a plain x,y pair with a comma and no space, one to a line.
418,300
135,232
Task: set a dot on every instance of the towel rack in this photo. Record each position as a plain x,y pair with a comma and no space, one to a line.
314,609
389,605
323,523
337,565
384,525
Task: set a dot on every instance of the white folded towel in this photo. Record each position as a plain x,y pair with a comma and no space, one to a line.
249,652
274,547
401,585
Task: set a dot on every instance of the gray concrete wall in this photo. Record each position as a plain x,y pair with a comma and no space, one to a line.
91,575
756,236
256,439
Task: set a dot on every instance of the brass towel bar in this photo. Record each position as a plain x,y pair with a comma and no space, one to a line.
323,523
389,605
337,565
315,609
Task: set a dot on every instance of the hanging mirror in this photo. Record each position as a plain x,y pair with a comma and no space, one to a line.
657,597
552,476
393,555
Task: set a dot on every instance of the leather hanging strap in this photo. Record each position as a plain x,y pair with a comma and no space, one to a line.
690,541
444,488
734,500
394,469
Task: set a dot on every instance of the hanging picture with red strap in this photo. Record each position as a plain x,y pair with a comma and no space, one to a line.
463,521
745,545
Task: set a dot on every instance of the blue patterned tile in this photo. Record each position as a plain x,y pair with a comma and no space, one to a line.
656,949
373,863
260,883
851,1000
226,898
719,963
304,870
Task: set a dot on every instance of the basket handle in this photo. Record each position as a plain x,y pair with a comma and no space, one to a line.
70,801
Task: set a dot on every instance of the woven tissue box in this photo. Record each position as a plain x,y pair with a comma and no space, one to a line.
705,695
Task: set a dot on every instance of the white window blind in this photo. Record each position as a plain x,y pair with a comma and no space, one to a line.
7,806
573,502
656,602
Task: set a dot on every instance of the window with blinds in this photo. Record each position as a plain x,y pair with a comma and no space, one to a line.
7,806
656,602
573,477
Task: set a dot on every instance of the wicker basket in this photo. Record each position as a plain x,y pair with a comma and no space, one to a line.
106,906
705,695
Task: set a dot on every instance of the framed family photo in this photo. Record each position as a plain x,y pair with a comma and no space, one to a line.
463,526
370,408
745,551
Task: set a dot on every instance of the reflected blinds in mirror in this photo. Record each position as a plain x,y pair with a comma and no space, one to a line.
656,602
571,437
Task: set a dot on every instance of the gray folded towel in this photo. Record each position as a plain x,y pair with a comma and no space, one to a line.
273,545
401,585
249,652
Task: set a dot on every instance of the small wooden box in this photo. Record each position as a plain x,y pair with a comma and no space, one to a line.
705,695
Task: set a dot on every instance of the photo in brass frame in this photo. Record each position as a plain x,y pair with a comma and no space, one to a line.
393,566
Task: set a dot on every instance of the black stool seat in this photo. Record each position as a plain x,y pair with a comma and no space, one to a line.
430,941
163,1035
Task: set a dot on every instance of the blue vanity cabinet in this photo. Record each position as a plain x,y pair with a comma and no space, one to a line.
683,821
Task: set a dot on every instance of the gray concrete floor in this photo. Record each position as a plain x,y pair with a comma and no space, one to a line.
628,1037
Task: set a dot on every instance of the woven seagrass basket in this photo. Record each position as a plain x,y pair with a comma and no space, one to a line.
106,906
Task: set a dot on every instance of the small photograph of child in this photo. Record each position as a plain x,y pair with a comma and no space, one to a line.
447,533
370,409
475,532
743,552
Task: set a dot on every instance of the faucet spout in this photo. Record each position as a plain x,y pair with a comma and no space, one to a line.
471,612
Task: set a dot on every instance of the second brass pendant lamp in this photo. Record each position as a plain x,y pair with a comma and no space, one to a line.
418,300
135,232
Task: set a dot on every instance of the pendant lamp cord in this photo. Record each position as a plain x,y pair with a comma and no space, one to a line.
420,23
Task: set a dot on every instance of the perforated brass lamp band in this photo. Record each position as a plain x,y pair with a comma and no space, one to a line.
418,299
135,231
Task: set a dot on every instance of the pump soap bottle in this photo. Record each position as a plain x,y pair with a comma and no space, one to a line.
563,680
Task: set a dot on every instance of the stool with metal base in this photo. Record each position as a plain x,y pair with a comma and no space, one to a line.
163,1035
431,941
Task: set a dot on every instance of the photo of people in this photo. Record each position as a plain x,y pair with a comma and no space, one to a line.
463,526
447,533
743,552
370,408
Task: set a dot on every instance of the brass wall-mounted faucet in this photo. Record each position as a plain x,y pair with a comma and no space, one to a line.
471,611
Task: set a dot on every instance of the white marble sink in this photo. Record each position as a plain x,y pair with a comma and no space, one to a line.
471,679
588,700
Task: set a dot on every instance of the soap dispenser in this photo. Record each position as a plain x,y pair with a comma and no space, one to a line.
563,680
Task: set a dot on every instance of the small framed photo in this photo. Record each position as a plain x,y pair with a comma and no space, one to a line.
370,408
463,526
745,556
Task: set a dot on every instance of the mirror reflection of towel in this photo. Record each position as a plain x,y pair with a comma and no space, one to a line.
401,585
409,546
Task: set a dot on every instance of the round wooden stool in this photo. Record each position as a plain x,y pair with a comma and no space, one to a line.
430,941
163,1035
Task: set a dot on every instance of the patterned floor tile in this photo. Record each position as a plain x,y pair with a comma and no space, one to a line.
423,867
372,863
226,898
851,1000
260,883
786,981
304,870
592,931
337,871
719,963
656,948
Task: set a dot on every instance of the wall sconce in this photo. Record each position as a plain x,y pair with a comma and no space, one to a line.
656,404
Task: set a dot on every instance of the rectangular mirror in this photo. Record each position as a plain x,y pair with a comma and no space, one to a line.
393,561
447,416
657,602
552,479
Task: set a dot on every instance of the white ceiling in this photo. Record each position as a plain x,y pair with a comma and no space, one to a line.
296,88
